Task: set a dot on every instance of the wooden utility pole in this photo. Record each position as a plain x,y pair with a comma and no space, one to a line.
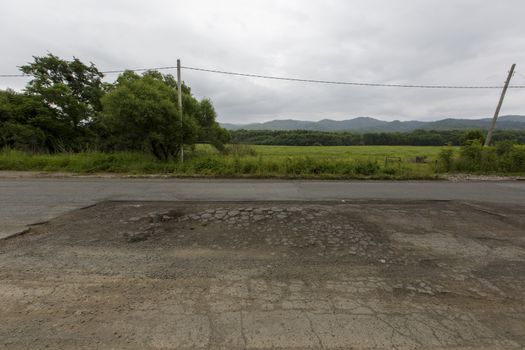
179,91
496,113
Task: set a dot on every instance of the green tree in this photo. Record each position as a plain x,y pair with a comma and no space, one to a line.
446,158
209,129
203,112
71,90
26,123
472,136
141,113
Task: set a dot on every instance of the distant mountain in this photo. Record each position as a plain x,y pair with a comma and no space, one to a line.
367,124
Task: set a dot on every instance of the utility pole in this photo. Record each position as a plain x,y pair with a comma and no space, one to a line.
496,113
179,90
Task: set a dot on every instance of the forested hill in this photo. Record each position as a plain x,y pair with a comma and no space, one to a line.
366,124
349,138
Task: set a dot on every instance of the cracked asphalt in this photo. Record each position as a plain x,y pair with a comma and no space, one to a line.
367,274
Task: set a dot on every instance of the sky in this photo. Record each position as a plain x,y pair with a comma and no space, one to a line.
452,42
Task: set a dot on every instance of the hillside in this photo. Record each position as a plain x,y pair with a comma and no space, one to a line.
367,124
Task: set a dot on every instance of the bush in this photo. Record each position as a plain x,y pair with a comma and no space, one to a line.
504,147
473,136
516,158
366,168
445,159
207,165
421,159
504,157
470,156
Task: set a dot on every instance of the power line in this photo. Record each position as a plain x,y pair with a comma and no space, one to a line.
138,69
271,77
355,83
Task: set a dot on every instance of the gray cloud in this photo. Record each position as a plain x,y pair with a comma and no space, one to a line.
403,41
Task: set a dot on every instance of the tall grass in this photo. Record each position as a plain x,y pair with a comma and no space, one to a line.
258,161
86,162
290,167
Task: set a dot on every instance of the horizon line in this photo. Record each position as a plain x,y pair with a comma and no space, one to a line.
388,121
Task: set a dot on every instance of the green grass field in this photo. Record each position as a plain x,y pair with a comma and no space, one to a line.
341,152
326,162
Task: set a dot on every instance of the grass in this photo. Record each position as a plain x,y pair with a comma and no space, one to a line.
318,162
341,161
86,162
339,152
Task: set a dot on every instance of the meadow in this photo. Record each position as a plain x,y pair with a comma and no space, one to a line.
321,162
344,152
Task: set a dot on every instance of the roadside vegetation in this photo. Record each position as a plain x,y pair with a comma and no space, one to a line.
323,162
315,162
68,119
504,158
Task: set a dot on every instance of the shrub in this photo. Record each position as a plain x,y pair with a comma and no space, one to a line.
504,147
517,159
421,159
504,157
470,156
445,159
473,136
366,168
207,165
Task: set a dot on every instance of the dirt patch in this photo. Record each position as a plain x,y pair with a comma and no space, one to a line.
364,275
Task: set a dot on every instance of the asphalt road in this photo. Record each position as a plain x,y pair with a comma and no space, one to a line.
26,201
401,275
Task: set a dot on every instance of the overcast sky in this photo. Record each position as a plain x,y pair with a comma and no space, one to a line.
386,41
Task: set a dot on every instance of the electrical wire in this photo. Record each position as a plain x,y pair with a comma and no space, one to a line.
138,69
303,80
355,83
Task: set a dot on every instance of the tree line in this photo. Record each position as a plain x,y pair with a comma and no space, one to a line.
328,138
67,106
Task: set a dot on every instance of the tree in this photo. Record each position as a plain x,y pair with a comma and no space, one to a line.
209,129
26,123
70,89
63,108
473,135
203,112
141,113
